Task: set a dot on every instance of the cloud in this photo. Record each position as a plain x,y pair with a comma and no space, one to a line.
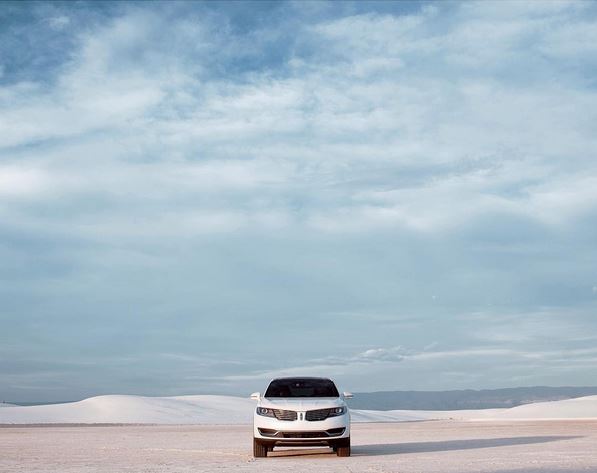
20,181
177,169
460,144
381,354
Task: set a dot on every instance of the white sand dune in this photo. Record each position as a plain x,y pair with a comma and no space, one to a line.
205,409
361,415
121,409
578,408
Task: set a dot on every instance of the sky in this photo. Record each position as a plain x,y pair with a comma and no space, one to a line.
198,197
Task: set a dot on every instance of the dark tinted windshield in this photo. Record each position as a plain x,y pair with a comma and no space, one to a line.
301,387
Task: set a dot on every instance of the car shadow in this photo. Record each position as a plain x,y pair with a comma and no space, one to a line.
299,452
446,445
422,447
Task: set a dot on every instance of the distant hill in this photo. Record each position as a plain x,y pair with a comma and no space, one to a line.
465,399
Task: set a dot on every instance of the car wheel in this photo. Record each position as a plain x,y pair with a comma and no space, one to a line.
259,450
343,449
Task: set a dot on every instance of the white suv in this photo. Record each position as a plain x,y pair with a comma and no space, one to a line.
301,412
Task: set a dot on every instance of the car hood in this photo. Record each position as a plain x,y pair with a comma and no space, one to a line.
301,403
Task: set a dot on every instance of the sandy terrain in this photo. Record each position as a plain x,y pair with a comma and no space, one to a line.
431,446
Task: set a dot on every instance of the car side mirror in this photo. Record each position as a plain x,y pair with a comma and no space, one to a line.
347,395
255,396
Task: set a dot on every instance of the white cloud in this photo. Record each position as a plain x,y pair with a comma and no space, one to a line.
301,125
382,354
22,181
377,162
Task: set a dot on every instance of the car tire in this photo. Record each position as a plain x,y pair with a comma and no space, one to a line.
259,450
343,449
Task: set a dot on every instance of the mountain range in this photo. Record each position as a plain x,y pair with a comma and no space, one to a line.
465,399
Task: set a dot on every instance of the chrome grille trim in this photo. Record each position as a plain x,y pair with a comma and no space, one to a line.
318,414
282,414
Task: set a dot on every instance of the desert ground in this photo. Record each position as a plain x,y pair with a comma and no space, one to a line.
427,446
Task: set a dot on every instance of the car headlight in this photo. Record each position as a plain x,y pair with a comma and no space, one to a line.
337,411
264,411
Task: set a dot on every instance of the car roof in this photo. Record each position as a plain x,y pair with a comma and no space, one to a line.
300,377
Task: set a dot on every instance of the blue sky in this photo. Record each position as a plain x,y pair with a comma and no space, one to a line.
197,197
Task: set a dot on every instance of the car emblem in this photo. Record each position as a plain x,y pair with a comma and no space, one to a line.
301,416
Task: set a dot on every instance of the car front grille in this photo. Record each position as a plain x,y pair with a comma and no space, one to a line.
281,414
319,414
304,435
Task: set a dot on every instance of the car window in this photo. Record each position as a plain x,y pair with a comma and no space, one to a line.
301,387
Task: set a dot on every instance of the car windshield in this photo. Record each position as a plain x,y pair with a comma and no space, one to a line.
301,387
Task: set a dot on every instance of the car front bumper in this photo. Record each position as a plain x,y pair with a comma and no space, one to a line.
301,432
